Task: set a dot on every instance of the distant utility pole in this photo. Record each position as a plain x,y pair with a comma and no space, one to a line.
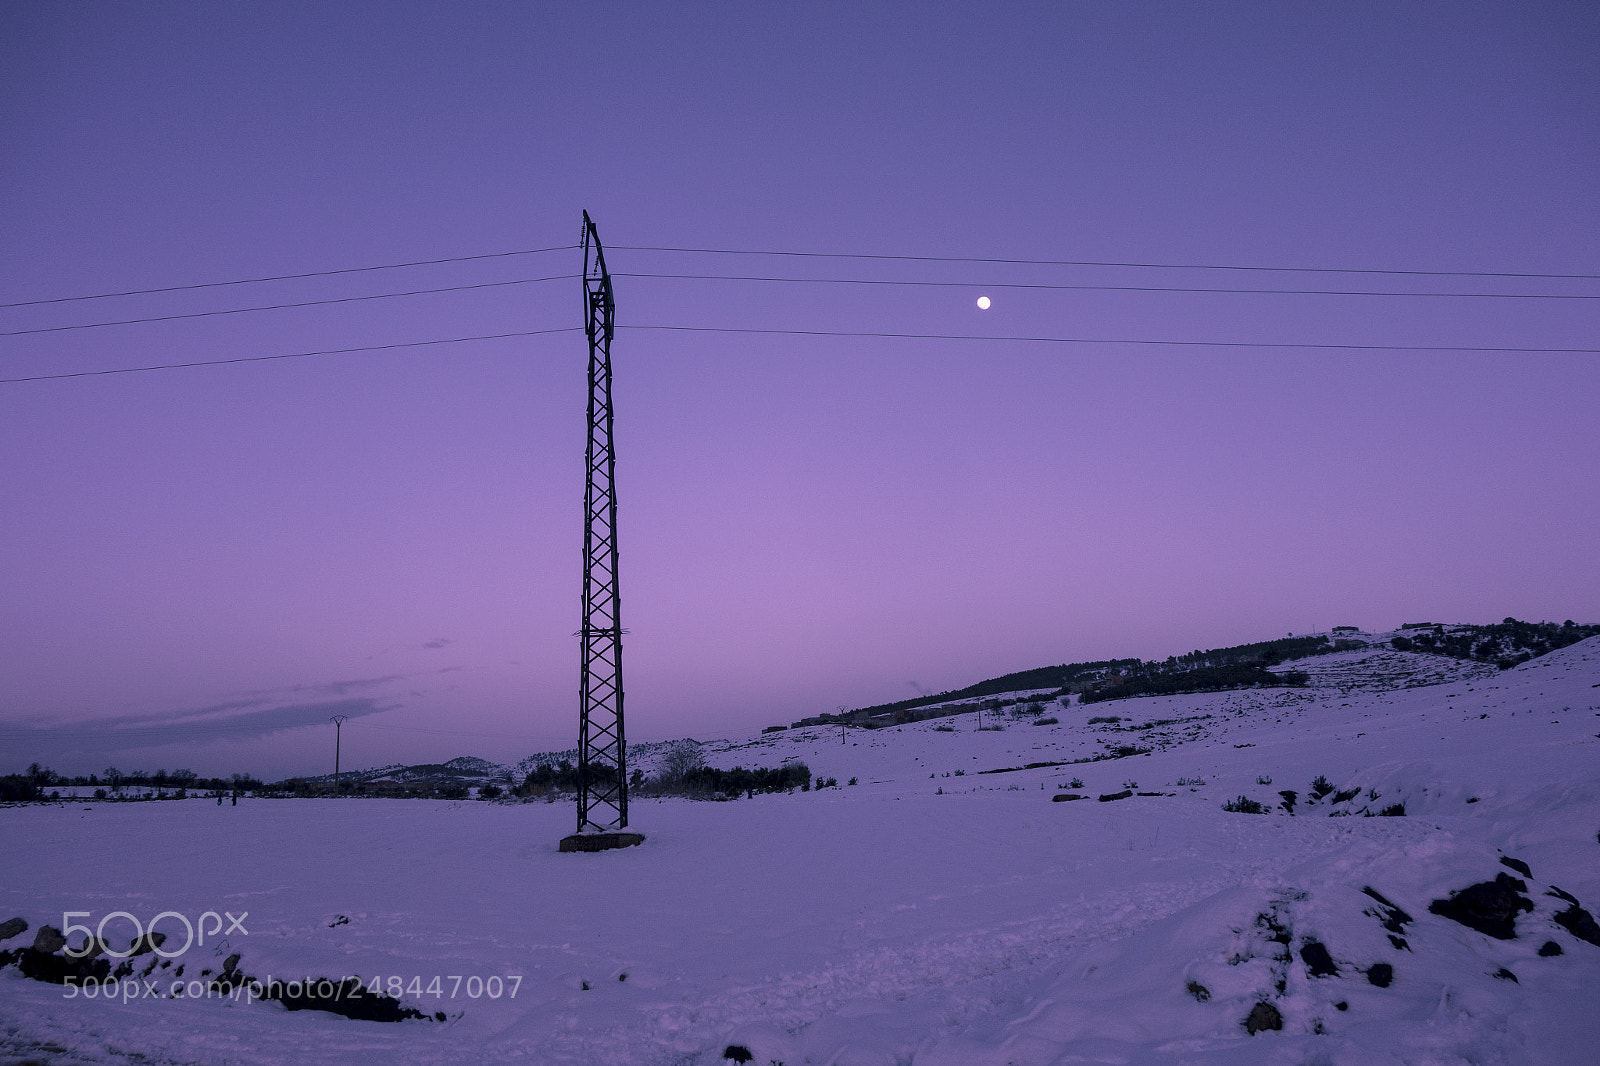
338,721
602,746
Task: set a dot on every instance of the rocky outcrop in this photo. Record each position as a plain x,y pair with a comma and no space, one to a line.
1490,907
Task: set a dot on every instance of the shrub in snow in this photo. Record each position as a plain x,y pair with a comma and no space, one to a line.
1264,779
1321,786
1244,805
16,788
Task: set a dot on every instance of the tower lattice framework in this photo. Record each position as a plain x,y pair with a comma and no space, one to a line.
602,746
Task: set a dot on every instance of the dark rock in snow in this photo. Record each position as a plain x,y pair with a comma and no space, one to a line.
1263,1016
1490,907
1504,974
1517,865
1380,974
55,969
1549,949
148,943
1063,797
737,1053
1559,894
1391,917
91,947
1318,962
1580,923
11,928
48,940
346,997
1124,794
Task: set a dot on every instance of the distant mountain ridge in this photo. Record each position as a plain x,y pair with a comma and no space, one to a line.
1501,644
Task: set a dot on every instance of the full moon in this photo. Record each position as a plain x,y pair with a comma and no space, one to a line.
983,303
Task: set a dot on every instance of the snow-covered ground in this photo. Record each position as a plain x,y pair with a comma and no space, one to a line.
932,913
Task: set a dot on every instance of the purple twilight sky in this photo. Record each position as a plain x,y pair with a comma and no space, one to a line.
201,565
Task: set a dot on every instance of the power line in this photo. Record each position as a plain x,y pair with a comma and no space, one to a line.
997,338
1108,288
797,254
285,306
292,277
1109,263
1124,340
289,355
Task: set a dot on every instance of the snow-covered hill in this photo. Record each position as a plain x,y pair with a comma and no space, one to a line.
945,909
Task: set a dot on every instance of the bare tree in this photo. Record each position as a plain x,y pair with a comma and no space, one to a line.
680,762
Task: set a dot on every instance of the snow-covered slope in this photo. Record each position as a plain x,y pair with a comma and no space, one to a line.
933,913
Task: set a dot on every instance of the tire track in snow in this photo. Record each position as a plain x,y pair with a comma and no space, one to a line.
955,969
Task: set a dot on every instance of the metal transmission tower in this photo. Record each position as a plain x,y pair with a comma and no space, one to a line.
602,746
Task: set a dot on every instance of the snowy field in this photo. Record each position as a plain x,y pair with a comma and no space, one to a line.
931,914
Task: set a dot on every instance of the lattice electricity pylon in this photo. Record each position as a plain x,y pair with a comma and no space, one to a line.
602,747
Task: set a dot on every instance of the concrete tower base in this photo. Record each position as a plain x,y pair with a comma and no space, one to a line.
601,841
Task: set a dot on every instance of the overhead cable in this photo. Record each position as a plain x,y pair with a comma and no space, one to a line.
285,306
289,355
1108,263
1106,288
1120,341
291,277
